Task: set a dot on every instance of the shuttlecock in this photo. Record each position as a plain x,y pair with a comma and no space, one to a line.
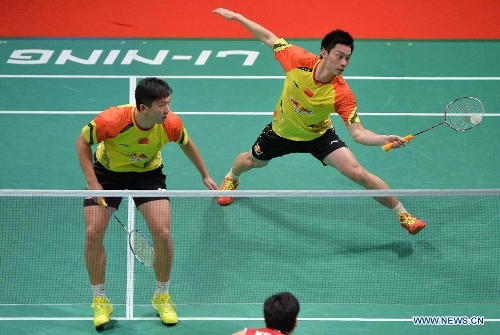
475,118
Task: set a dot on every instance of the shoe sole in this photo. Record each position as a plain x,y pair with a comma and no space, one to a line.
416,231
224,203
169,324
101,326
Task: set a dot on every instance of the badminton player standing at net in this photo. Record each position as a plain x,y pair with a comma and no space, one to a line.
313,89
128,157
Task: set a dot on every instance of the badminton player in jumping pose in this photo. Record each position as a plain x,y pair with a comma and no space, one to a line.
128,157
313,89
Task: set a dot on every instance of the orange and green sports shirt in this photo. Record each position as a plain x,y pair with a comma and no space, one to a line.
304,107
124,147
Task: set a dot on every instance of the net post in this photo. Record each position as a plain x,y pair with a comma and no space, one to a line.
129,304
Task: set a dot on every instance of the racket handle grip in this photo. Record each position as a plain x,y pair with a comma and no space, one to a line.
102,202
389,146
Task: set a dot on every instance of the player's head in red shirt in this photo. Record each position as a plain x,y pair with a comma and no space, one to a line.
280,312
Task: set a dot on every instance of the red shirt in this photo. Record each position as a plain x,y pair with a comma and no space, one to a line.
261,331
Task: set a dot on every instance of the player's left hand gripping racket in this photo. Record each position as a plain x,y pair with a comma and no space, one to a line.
461,114
139,244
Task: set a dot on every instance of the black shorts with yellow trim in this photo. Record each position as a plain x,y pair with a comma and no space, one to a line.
141,181
269,145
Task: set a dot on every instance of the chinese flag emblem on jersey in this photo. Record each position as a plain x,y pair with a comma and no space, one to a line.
308,92
143,140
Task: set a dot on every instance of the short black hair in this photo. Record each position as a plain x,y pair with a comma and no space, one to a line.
280,311
151,89
337,37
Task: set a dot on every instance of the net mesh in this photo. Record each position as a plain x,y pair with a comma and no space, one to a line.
141,247
464,113
325,247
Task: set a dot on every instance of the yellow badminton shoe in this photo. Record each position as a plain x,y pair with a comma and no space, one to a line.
165,308
228,184
102,311
411,223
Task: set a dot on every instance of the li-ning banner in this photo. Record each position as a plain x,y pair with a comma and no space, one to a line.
135,57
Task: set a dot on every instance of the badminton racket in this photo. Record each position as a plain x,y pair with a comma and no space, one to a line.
460,115
139,244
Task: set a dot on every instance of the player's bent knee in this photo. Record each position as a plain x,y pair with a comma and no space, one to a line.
163,234
360,176
259,164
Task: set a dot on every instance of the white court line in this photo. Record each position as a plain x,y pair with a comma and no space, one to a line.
215,319
223,113
247,77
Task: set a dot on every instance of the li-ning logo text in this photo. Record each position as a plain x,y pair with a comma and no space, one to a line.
113,57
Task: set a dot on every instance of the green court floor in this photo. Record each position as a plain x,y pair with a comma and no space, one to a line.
346,259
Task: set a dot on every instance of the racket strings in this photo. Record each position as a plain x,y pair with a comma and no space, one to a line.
142,248
464,113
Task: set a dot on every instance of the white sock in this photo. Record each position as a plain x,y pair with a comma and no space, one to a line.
399,209
98,290
232,175
161,287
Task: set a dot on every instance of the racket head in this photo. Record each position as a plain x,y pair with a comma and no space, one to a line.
464,113
141,247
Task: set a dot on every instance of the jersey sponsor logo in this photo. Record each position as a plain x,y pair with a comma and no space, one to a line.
299,109
143,141
134,158
257,150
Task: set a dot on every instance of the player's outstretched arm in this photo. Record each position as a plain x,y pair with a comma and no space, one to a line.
192,153
261,33
367,137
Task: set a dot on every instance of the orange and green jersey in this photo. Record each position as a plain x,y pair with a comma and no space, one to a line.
124,147
303,110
